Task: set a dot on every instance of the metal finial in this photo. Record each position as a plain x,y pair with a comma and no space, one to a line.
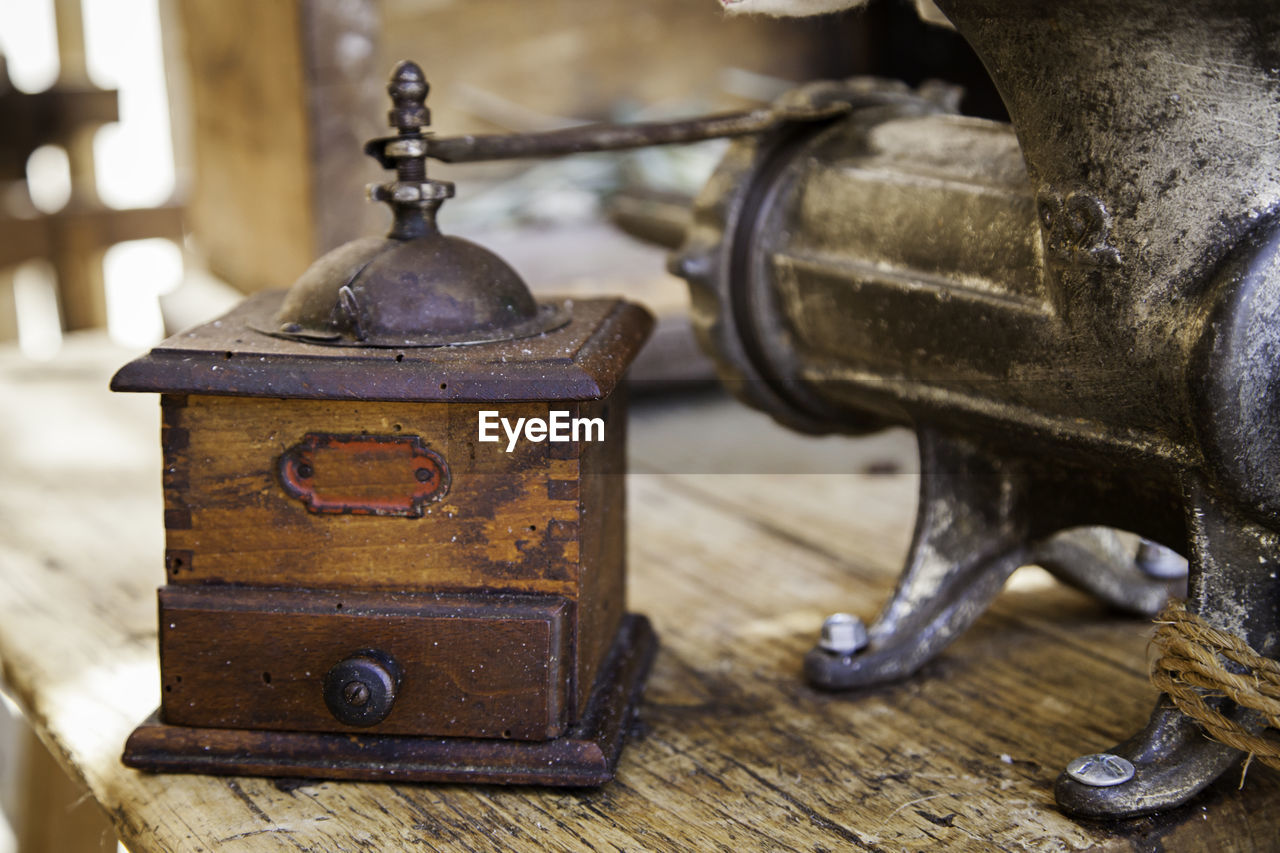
412,197
417,287
408,90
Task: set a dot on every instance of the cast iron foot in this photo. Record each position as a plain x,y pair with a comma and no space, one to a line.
1137,579
1171,762
970,535
968,540
1234,587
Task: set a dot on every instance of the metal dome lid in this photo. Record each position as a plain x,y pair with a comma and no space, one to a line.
415,287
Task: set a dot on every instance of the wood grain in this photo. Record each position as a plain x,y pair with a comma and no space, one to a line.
583,360
469,666
540,518
736,572
252,193
493,529
602,593
584,754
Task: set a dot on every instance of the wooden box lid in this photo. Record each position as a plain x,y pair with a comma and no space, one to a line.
583,360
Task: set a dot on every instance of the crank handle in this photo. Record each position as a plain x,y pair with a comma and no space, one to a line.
813,102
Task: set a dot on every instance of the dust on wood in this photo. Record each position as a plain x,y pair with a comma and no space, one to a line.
733,752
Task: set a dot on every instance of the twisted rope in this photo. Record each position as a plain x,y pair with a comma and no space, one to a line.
1198,662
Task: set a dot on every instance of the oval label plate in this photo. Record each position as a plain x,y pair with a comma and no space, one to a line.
392,475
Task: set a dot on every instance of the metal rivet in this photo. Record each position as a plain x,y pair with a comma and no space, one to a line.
423,475
305,471
1101,770
843,634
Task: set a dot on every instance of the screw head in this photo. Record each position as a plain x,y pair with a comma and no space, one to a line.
356,693
1100,770
843,634
361,690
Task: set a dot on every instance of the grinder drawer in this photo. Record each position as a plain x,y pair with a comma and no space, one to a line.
329,660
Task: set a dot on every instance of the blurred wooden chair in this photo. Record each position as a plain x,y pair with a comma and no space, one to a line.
75,238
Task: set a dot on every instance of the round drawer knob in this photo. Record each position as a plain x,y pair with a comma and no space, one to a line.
361,689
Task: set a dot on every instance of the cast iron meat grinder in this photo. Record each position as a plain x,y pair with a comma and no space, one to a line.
1079,313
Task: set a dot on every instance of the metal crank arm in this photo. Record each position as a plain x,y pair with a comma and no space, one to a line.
819,101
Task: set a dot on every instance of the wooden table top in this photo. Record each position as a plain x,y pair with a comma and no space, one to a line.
733,751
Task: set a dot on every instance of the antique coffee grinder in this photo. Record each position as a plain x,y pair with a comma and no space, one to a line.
362,583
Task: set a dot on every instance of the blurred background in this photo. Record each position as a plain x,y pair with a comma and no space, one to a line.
161,158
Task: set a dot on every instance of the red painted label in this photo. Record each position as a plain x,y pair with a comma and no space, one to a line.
364,474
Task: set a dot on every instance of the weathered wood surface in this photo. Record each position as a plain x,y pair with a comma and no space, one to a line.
470,666
584,754
50,812
734,752
501,524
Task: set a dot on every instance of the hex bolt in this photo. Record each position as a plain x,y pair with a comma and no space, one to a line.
843,634
1100,770
1159,562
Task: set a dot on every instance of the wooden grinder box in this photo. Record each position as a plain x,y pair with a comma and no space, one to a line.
368,577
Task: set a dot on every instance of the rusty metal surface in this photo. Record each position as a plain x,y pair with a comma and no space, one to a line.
1078,312
393,475
817,102
430,291
417,287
